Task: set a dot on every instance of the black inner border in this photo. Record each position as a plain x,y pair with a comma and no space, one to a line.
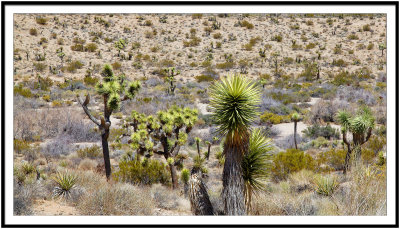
318,3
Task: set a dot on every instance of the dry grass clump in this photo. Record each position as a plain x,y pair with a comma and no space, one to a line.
87,164
168,199
363,192
103,198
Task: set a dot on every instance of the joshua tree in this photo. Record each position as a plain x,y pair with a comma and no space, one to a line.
199,200
360,126
185,175
198,140
295,117
256,165
111,88
215,139
234,102
120,45
274,57
163,134
382,47
170,78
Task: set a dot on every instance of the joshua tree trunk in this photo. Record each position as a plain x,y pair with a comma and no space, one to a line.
106,153
173,176
199,200
248,198
233,183
208,151
295,133
198,148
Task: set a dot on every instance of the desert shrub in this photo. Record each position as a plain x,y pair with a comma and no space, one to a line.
197,16
310,46
23,91
247,24
339,63
292,160
333,158
87,164
316,131
370,46
272,118
21,145
43,40
146,171
217,35
376,144
220,157
39,67
78,47
320,142
325,110
352,37
89,152
74,65
41,20
194,41
116,65
33,31
204,78
43,83
366,27
226,65
92,81
117,199
57,147
165,198
277,38
91,47
356,95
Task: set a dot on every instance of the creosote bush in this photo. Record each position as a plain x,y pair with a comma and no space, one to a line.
292,160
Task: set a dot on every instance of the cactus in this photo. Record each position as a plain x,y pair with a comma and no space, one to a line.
114,90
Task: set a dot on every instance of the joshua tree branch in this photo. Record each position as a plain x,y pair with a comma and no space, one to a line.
368,135
86,109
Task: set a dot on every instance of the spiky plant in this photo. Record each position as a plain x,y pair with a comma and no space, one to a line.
295,117
360,126
325,185
234,102
114,90
65,182
185,175
256,165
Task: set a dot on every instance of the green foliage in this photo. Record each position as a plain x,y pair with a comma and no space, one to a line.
352,37
333,158
277,38
65,182
28,168
325,185
33,31
366,27
185,175
320,142
272,118
21,145
256,164
91,47
292,160
41,20
316,131
246,24
204,78
144,172
74,65
220,157
39,67
89,152
234,101
23,91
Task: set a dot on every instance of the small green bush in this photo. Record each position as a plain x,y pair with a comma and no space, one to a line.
33,31
320,142
293,160
89,152
39,67
333,158
204,78
326,132
77,47
91,47
277,38
146,172
41,20
352,37
366,28
272,118
74,65
247,24
23,91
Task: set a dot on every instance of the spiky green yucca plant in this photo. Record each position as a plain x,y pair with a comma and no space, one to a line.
114,89
65,183
256,165
360,126
325,185
234,101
